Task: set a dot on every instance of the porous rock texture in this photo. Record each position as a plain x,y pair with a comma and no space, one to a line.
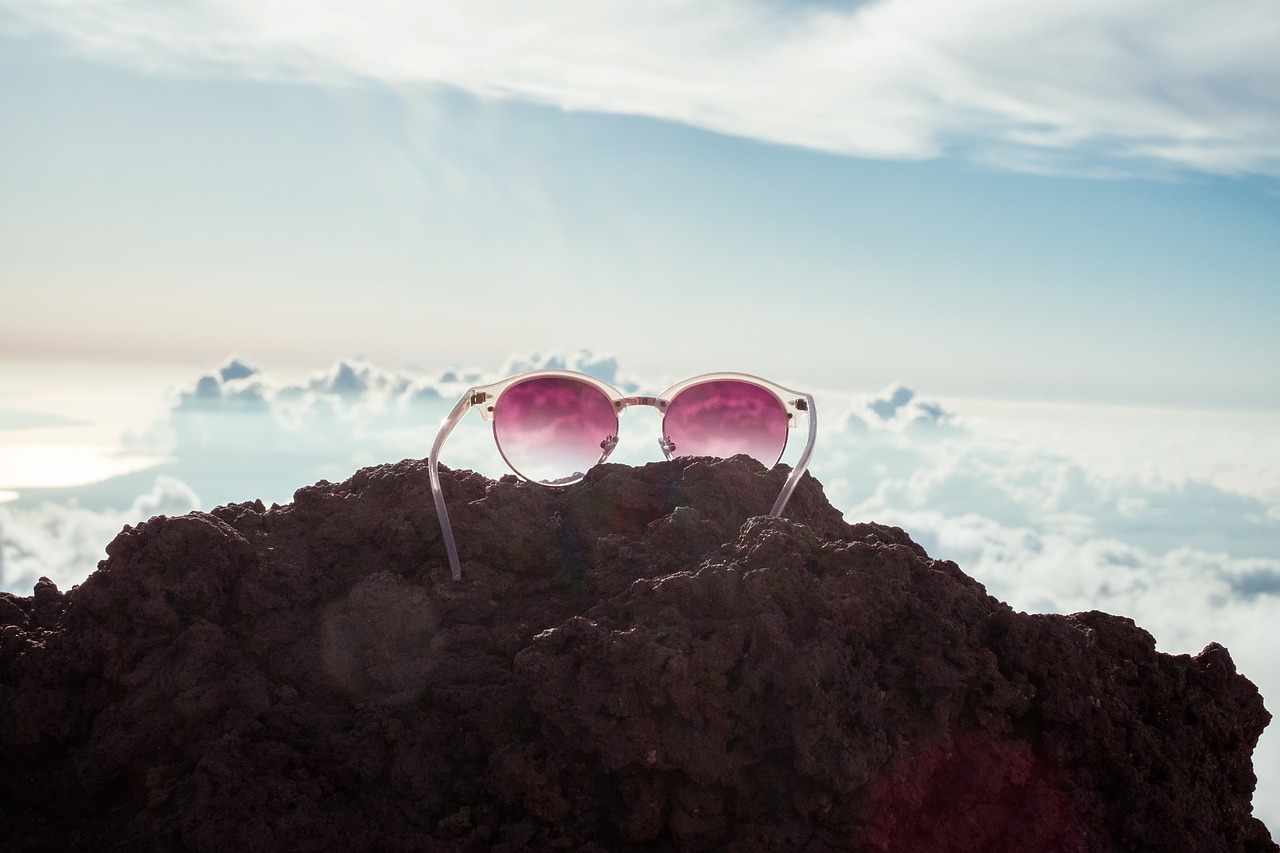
639,662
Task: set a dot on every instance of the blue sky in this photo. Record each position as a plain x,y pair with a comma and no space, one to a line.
1075,204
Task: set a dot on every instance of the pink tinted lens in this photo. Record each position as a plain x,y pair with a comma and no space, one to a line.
552,429
727,417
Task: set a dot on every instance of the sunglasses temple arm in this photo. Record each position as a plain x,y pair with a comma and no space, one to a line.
793,479
433,470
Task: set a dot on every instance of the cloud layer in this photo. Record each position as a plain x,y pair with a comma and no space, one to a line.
1189,550
1056,86
64,542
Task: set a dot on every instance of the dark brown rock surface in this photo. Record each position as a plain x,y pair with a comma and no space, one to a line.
639,662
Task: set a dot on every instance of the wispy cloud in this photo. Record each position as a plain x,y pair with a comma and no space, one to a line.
1081,86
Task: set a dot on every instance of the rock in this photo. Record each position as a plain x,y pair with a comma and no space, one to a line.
639,662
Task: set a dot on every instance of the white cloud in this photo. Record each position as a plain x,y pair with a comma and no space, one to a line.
65,542
1088,86
897,409
893,452
601,366
239,433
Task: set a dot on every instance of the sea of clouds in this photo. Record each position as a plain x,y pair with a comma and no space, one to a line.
1170,518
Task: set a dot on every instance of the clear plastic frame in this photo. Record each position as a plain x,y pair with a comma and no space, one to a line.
768,427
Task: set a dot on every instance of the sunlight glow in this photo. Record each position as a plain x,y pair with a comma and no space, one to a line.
44,466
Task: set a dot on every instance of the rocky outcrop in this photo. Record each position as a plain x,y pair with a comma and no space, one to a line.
639,662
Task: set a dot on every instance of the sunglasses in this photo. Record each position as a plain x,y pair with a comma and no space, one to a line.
552,426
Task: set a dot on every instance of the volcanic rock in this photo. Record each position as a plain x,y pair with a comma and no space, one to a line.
642,661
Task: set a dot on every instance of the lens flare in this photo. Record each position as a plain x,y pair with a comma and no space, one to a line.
551,430
727,417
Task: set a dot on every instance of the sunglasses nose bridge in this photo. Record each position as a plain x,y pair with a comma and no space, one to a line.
656,402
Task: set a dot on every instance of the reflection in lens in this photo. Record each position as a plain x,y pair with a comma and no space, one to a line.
551,429
727,417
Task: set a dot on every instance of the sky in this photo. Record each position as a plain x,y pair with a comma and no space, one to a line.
1076,201
1025,254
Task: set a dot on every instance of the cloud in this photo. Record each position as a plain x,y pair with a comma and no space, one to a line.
895,408
895,452
1043,571
236,367
65,542
1092,87
240,433
602,366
